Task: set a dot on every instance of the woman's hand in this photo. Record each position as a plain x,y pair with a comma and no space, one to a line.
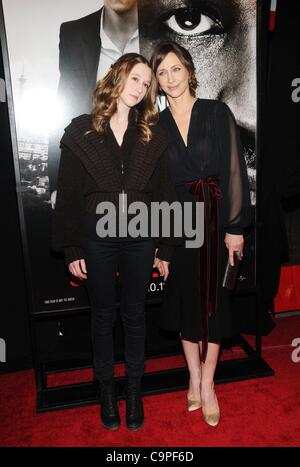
234,243
78,268
163,267
155,259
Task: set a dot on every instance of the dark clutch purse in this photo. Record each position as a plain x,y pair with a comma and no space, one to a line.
231,272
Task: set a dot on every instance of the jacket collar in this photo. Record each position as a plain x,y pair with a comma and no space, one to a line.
93,151
88,44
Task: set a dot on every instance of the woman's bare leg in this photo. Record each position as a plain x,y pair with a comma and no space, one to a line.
210,406
191,352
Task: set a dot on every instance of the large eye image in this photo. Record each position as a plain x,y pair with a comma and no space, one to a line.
191,21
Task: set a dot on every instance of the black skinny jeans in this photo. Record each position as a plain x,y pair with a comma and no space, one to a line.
134,260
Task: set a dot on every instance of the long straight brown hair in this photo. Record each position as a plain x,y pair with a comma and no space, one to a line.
109,88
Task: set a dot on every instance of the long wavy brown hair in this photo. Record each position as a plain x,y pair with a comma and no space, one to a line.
108,90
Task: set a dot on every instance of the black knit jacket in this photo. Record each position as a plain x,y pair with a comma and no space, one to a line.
90,171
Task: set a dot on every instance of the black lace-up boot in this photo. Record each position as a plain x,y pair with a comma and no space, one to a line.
134,404
109,412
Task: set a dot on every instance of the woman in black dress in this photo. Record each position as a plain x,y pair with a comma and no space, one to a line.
207,165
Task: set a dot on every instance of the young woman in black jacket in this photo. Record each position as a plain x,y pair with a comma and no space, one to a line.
115,155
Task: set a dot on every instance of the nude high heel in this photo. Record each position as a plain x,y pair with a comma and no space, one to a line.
193,404
212,419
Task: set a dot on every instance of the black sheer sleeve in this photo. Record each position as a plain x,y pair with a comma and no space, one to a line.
164,190
235,212
67,229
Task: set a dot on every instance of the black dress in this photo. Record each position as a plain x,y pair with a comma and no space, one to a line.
213,152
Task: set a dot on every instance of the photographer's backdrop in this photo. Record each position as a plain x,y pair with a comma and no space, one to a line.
45,83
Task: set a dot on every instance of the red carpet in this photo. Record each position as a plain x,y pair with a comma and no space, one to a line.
261,412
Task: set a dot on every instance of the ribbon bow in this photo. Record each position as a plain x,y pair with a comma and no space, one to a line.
208,191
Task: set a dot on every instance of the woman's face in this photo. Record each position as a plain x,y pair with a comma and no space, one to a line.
172,76
136,85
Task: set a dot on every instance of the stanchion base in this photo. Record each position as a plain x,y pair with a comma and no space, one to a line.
158,382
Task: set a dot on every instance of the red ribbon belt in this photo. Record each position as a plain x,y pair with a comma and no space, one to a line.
208,191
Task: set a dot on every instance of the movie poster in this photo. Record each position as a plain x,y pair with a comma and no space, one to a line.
55,60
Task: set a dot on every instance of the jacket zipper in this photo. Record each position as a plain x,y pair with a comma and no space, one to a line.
123,190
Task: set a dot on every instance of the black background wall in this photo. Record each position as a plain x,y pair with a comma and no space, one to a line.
284,117
280,162
14,327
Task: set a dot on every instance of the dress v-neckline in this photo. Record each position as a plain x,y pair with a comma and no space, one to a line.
189,126
115,138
